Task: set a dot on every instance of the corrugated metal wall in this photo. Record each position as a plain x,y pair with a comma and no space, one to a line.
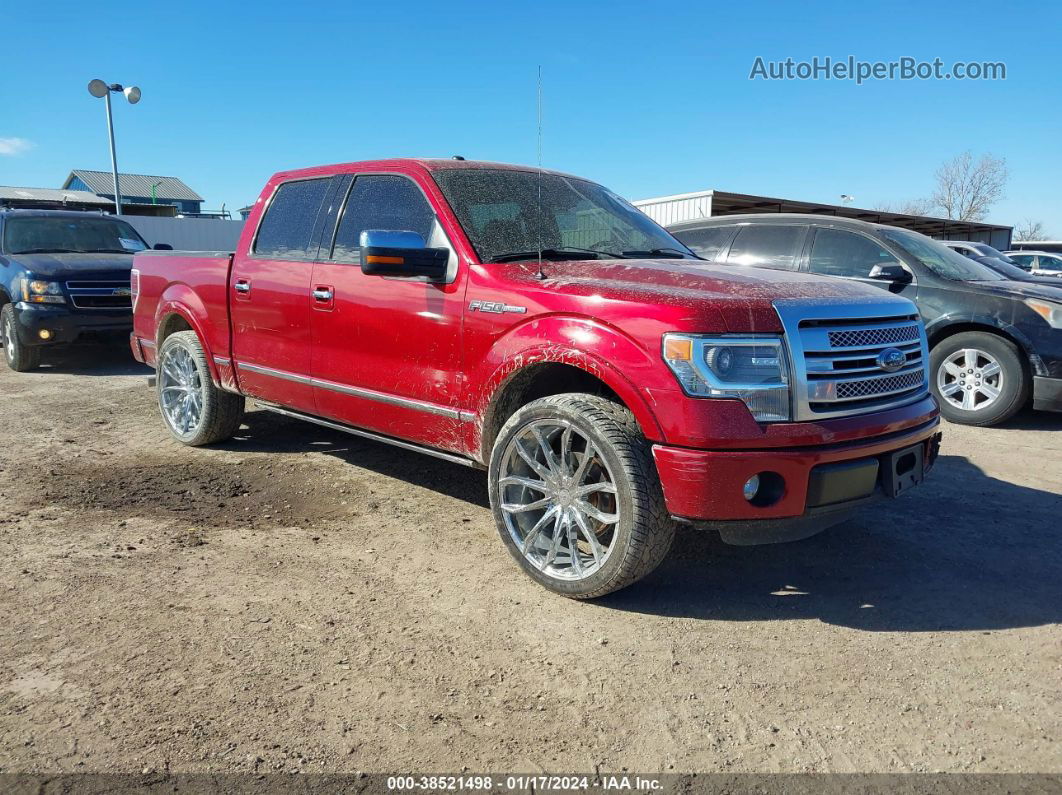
188,234
672,211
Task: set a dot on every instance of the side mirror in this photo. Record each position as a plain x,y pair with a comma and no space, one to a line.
162,247
890,272
386,252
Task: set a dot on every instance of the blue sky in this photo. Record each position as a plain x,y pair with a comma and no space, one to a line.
648,102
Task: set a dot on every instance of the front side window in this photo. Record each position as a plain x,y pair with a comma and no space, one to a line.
766,246
709,242
381,201
940,259
1024,261
836,252
512,215
67,234
287,227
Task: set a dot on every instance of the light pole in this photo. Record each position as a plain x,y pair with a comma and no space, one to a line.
99,89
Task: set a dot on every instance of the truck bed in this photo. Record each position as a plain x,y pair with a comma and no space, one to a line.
192,283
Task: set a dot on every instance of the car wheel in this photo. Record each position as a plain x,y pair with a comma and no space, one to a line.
576,496
195,411
978,378
20,358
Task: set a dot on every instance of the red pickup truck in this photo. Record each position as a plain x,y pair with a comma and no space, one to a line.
538,325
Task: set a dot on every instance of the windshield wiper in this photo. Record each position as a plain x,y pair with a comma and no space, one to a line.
566,252
48,251
668,253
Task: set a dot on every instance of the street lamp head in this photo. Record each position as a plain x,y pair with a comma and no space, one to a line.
132,94
98,89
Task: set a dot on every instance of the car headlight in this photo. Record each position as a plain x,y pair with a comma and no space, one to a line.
35,291
1049,311
750,369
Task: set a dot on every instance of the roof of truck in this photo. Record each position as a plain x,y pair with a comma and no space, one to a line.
428,163
12,212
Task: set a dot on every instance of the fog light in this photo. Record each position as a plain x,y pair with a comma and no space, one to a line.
44,334
751,487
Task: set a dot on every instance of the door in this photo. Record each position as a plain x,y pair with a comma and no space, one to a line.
270,297
387,351
838,252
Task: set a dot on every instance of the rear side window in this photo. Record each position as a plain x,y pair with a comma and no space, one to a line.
381,202
839,253
767,246
287,227
708,243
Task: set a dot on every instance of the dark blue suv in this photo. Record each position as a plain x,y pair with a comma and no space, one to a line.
63,275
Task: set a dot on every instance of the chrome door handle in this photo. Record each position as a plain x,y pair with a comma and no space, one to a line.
242,287
322,294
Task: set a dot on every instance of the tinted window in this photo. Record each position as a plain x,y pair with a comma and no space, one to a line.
288,223
766,246
708,243
939,258
1024,260
839,253
381,202
58,233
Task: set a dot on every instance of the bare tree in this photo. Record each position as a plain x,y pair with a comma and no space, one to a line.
907,207
966,188
1030,230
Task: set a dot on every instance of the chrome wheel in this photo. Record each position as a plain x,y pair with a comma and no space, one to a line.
9,340
180,391
970,379
558,499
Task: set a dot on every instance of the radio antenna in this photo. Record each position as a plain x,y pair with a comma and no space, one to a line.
538,221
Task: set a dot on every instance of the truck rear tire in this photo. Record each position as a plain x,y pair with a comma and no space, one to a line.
576,496
978,378
195,411
20,358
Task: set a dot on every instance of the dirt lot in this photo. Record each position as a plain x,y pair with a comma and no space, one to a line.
302,600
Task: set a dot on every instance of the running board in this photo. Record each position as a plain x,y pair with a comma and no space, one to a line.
376,437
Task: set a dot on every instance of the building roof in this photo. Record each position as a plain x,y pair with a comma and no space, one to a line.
102,183
51,195
726,203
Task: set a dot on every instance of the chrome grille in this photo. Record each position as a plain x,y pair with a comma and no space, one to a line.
835,352
100,294
875,336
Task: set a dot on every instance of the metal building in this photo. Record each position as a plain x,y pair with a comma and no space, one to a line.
137,189
668,210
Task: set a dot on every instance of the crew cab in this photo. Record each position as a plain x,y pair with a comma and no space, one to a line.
63,276
537,325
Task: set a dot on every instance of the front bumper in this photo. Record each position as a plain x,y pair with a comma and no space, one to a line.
65,325
1047,393
815,485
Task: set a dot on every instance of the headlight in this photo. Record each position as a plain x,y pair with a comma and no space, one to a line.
750,369
37,292
1050,312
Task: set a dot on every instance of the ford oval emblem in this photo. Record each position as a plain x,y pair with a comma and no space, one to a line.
891,359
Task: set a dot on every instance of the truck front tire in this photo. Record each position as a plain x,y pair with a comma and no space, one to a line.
195,411
20,358
576,496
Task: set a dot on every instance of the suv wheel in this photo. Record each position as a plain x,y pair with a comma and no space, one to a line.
20,358
978,378
196,412
576,496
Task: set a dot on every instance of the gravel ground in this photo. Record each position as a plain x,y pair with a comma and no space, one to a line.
301,600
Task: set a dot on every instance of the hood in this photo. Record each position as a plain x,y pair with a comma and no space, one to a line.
742,297
62,266
1022,289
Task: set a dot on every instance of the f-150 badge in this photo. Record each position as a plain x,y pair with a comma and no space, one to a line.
495,307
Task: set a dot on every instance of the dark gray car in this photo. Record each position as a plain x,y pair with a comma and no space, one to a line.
994,342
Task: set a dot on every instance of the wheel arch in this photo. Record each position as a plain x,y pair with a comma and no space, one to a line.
942,330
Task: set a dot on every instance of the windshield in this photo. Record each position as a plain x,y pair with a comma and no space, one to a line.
940,259
66,234
988,251
510,215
